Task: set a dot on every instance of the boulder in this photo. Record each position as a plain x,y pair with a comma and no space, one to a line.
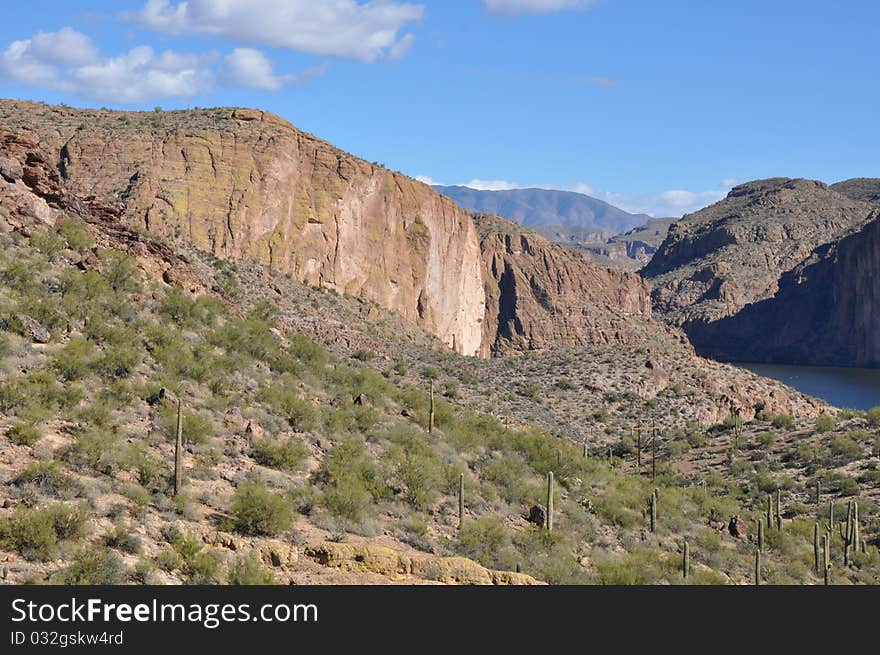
10,169
253,429
737,528
32,329
538,515
162,395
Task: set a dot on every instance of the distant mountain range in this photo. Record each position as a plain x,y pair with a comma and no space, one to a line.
604,232
574,216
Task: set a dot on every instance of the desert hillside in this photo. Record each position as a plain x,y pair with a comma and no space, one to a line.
309,448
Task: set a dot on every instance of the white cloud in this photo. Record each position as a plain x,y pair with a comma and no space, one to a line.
491,185
729,182
535,6
66,47
425,179
69,62
251,69
667,203
341,28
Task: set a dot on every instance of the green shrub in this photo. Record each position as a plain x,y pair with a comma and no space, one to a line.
97,449
248,570
350,480
824,423
23,434
845,449
199,565
782,422
484,539
48,478
258,511
92,567
74,233
285,455
121,539
284,399
74,360
121,272
119,361
35,533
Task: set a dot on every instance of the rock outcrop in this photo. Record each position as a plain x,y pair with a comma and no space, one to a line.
540,294
247,184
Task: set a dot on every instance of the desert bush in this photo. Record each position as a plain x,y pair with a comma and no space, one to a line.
94,448
485,540
23,434
74,360
120,271
199,565
121,539
845,449
92,567
350,480
824,423
48,478
257,511
35,533
287,455
283,398
74,234
782,421
249,570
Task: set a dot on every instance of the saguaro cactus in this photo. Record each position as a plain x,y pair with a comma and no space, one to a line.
826,554
431,410
779,509
685,560
828,574
816,547
178,450
769,510
758,566
550,500
460,500
760,534
639,446
653,450
653,502
850,534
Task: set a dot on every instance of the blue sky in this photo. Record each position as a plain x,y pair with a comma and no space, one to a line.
657,106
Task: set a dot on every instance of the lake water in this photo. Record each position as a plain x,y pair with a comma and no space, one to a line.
856,388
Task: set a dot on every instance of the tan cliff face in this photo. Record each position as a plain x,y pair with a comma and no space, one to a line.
248,185
540,294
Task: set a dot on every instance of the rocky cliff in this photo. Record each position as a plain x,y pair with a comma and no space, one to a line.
718,260
247,184
824,311
540,294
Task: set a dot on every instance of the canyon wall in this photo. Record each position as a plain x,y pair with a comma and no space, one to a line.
247,184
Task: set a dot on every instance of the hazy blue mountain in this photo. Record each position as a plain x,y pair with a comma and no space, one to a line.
575,214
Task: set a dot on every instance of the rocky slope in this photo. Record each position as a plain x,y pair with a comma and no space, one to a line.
718,260
247,184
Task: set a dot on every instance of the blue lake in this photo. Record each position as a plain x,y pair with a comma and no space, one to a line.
856,388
